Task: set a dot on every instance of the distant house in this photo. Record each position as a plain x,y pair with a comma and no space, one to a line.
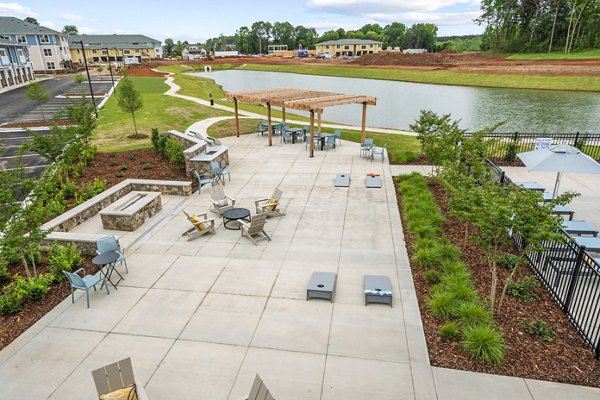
193,52
15,65
110,48
48,49
414,51
348,47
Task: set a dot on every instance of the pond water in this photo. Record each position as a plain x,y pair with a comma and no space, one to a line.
399,103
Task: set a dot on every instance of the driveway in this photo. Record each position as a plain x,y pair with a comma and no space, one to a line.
11,141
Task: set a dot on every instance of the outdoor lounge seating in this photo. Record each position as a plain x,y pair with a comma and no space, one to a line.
116,381
220,201
270,205
259,391
203,179
202,225
256,227
111,243
85,282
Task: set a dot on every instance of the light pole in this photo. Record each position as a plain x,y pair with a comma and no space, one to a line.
88,76
110,66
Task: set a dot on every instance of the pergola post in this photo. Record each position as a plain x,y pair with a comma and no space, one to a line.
283,113
237,121
319,122
312,133
270,124
364,122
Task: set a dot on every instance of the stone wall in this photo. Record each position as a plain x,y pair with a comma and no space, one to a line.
192,146
204,166
135,215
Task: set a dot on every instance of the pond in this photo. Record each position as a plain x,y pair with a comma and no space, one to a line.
399,103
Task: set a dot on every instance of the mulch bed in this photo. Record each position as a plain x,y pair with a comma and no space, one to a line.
566,359
33,124
106,166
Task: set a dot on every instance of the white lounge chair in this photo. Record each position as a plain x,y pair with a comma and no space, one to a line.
270,205
220,201
202,225
256,227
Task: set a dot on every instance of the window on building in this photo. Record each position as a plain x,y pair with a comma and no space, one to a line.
346,47
371,45
2,53
5,37
48,52
327,47
364,46
104,52
126,52
44,39
77,51
337,46
50,65
94,51
21,39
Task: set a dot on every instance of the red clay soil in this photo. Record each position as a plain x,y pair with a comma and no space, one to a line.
33,124
145,164
566,359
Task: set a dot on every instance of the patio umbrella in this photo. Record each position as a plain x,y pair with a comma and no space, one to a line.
559,158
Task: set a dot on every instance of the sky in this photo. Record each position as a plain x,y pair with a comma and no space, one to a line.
196,21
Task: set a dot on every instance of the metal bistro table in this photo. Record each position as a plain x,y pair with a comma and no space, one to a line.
323,137
579,228
592,244
109,261
235,214
294,132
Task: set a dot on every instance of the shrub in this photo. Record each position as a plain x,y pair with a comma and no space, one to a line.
90,190
174,152
131,156
120,174
451,266
4,274
442,305
523,289
449,330
22,289
541,328
9,304
511,152
69,190
508,261
36,288
461,291
472,313
123,167
405,157
432,276
62,258
147,166
483,343
155,139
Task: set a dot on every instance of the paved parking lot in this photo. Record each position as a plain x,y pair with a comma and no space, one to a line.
10,142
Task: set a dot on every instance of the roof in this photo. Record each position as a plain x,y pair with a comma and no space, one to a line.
301,99
350,41
112,41
16,26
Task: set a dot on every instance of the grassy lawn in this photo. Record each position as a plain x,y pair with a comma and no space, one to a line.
581,55
159,111
227,127
576,83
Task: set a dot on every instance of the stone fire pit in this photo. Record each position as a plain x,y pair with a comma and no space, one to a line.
130,211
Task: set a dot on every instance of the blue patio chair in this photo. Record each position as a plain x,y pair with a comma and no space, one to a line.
203,179
83,283
330,142
263,127
378,151
305,132
219,172
111,243
366,147
338,136
286,136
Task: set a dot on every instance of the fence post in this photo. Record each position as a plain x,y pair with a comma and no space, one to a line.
576,139
502,173
598,349
578,262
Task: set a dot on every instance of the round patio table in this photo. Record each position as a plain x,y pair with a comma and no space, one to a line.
108,260
235,214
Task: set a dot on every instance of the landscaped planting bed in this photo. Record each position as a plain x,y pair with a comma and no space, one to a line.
539,341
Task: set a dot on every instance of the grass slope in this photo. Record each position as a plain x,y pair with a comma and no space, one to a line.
581,55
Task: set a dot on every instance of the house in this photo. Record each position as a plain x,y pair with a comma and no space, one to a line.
193,52
107,48
348,47
48,49
15,65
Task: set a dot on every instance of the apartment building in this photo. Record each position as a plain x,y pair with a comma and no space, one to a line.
15,66
348,47
105,48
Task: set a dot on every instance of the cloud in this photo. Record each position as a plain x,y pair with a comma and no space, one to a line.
48,24
16,10
70,17
328,26
441,12
84,30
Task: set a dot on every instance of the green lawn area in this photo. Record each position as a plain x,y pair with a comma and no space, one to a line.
581,55
227,127
159,111
575,83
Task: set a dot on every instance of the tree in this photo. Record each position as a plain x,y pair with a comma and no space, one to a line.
242,40
283,33
70,30
421,36
32,20
129,99
100,69
79,79
37,92
393,35
169,45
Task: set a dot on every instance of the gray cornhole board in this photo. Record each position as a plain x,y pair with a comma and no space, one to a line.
377,283
321,286
342,180
373,181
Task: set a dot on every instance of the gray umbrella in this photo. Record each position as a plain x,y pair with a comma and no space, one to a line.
559,158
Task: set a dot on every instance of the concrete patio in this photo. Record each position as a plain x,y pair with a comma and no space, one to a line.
199,319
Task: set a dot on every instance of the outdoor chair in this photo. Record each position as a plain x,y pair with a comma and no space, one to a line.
305,133
202,225
258,391
256,227
366,147
338,136
218,173
220,201
330,142
203,179
378,151
116,381
111,243
270,205
263,127
85,282
286,136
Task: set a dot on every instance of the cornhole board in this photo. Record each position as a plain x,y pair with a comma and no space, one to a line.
373,181
321,286
378,289
342,180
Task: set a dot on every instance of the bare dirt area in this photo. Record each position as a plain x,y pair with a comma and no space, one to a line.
474,62
138,70
566,359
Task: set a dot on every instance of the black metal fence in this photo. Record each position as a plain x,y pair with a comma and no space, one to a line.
504,147
569,273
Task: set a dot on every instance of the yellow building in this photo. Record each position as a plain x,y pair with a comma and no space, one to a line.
348,47
105,48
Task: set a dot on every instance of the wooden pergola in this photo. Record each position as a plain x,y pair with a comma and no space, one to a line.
300,99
